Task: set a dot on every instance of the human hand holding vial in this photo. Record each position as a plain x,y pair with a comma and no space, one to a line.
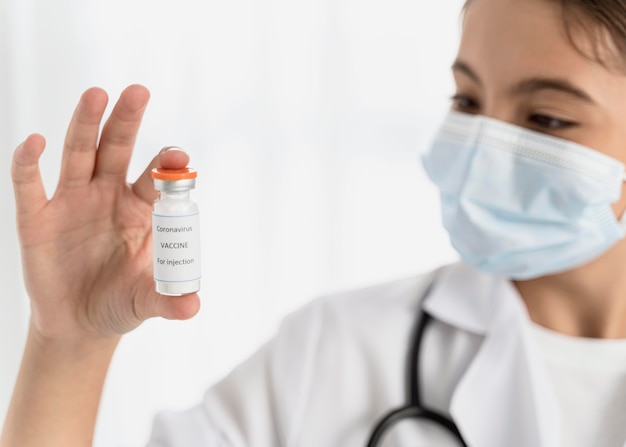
175,232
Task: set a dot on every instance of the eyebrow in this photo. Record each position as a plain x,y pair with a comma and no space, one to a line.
531,85
461,66
537,84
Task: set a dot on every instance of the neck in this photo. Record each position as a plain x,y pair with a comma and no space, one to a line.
589,301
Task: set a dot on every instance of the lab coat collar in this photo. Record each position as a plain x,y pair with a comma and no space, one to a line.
463,298
504,397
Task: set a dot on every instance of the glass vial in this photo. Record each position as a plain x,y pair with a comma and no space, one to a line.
175,232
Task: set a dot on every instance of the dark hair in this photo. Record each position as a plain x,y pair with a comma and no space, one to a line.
597,18
603,23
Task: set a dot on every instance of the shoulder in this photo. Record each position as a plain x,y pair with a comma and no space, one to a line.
344,350
351,326
360,306
348,320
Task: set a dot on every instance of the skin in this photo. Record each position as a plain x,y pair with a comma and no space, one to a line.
89,277
515,63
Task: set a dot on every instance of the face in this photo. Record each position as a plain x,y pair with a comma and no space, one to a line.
516,64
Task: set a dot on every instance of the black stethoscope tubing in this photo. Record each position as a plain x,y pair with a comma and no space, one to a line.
413,407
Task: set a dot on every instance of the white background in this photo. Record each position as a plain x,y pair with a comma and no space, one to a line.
305,120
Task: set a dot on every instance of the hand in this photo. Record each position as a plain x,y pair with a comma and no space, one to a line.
87,252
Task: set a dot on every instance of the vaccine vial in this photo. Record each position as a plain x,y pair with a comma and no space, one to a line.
175,232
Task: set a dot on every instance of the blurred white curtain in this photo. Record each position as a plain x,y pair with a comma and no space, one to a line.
305,120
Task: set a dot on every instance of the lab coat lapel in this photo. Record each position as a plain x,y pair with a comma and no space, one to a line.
504,397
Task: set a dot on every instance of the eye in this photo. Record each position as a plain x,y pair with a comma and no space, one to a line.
464,103
549,122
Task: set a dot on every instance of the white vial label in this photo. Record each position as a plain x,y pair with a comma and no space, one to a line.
176,242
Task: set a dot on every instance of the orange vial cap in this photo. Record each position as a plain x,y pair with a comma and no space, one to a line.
173,174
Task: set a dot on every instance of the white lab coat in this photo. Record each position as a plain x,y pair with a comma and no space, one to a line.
337,365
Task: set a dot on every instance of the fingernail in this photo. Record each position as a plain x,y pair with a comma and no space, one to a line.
171,148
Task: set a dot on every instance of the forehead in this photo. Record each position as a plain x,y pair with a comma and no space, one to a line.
508,40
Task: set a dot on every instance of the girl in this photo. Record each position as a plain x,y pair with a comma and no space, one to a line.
520,344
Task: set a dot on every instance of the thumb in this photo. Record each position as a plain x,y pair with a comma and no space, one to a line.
170,157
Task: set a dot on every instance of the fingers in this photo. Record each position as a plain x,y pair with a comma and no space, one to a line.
79,152
119,134
169,307
28,187
178,307
170,158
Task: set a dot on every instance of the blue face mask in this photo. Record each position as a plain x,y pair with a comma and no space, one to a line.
519,203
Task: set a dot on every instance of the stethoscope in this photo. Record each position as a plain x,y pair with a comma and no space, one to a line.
413,407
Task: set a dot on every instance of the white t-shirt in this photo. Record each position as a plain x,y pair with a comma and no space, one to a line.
589,378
